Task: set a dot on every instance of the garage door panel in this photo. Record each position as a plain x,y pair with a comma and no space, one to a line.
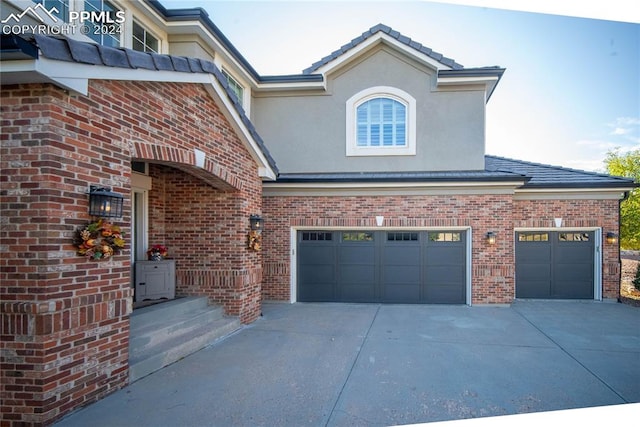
443,294
357,273
534,289
318,273
573,289
443,254
571,273
574,255
401,255
536,272
401,293
316,292
534,253
317,255
352,254
445,274
356,292
401,274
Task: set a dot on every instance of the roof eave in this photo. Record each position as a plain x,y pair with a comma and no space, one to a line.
488,76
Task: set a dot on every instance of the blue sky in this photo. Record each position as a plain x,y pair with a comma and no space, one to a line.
571,90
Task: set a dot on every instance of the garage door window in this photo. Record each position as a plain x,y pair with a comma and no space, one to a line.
398,237
357,237
533,237
573,237
316,236
444,237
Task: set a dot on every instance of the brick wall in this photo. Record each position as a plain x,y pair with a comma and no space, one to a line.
65,319
205,230
493,271
493,267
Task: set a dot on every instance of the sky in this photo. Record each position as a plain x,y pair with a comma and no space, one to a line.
571,90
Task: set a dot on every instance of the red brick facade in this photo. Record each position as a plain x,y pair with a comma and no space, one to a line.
65,319
492,266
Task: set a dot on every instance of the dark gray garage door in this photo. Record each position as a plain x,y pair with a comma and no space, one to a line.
555,264
382,266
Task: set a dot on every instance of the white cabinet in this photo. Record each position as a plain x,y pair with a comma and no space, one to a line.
155,280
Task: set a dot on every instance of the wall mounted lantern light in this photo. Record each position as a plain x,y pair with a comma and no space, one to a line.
255,235
491,238
104,203
611,238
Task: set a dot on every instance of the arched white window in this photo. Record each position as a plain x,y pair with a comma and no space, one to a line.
381,122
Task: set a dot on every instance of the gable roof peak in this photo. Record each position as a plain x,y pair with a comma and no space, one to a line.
381,28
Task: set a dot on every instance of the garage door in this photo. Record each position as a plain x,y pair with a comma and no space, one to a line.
382,266
555,264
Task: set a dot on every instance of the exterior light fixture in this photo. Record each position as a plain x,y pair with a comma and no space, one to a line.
255,222
255,235
104,203
612,238
491,238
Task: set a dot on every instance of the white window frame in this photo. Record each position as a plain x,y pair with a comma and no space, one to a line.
235,85
363,96
147,33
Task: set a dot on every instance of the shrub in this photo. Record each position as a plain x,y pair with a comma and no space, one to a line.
636,281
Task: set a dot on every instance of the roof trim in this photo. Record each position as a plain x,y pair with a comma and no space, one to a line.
546,177
201,15
374,34
417,178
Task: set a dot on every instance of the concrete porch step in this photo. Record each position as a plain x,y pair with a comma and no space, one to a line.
164,333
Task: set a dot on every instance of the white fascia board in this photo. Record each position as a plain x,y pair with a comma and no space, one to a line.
376,38
570,194
489,82
285,86
32,71
271,189
220,96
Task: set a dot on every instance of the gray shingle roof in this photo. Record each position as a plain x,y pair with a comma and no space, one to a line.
441,176
497,169
392,33
547,176
65,49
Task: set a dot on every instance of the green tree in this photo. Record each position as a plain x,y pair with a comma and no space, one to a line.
627,165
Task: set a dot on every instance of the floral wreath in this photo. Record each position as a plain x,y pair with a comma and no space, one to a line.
99,240
156,250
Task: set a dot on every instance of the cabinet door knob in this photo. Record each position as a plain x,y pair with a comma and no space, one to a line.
142,283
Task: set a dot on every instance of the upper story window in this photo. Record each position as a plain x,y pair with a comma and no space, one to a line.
143,40
106,38
61,8
381,121
234,86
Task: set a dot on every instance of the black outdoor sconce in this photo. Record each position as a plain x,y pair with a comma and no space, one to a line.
104,203
255,235
491,238
611,238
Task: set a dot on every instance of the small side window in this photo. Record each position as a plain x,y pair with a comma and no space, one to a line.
143,40
236,87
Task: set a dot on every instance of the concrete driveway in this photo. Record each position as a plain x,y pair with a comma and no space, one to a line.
381,365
